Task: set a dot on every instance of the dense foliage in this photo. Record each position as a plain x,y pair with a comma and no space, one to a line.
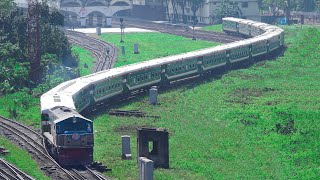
14,62
289,5
227,8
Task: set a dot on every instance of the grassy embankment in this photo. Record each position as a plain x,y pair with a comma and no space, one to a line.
255,123
20,158
151,45
216,28
85,57
28,107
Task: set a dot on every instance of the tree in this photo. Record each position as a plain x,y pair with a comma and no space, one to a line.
227,8
5,7
14,64
175,12
182,4
260,5
195,5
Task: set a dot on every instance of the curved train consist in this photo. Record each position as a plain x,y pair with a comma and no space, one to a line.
70,136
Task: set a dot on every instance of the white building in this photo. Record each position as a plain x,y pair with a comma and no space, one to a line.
205,14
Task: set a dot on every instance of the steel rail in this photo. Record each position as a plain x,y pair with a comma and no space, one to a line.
15,172
32,143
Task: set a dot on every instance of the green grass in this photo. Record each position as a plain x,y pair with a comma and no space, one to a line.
226,128
21,159
216,28
152,45
27,108
85,57
238,126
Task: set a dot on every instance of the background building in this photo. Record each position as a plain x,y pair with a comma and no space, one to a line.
205,14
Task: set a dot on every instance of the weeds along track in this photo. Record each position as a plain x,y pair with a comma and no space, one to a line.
32,141
179,30
104,52
8,171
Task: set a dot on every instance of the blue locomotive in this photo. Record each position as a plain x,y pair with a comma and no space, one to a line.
68,136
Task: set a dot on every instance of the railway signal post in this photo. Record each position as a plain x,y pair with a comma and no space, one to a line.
122,29
195,22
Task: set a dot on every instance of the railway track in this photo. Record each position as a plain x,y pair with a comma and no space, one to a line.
85,173
33,142
104,52
10,172
179,30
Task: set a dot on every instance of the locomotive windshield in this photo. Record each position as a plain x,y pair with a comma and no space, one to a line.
71,126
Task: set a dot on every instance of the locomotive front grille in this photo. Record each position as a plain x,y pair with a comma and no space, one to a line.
79,140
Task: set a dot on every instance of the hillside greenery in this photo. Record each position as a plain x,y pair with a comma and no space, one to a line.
152,45
259,122
215,28
20,158
149,48
85,58
254,123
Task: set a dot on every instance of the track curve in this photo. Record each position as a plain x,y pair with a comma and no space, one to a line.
32,141
104,52
179,30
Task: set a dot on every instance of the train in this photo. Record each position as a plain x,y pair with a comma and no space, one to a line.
69,136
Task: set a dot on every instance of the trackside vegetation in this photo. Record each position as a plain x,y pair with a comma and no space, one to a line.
215,28
254,123
21,159
85,57
259,122
153,45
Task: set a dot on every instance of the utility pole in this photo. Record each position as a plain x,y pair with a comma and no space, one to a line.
34,44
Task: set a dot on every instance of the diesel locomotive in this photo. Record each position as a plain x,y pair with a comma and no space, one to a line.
70,136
